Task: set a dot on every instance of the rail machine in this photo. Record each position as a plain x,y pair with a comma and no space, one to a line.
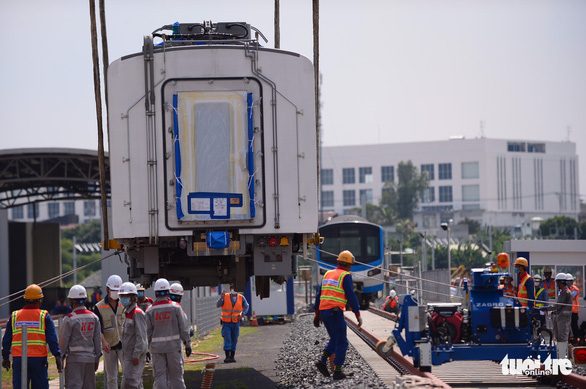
488,326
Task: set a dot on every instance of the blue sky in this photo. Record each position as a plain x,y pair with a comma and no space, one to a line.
393,71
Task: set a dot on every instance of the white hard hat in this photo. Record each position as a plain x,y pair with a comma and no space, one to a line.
176,288
77,292
561,277
392,293
127,288
537,277
161,285
114,282
569,277
139,287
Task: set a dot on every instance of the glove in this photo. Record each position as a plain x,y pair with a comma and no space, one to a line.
6,364
187,350
316,321
191,332
59,364
359,318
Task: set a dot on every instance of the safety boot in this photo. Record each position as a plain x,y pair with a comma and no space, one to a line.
323,368
227,360
338,375
232,360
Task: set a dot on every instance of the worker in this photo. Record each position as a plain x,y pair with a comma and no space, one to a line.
337,290
134,337
575,307
40,333
233,306
541,298
562,311
166,329
143,301
526,290
392,302
509,290
111,315
176,294
61,307
549,283
80,340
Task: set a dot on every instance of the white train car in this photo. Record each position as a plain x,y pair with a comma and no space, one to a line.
213,156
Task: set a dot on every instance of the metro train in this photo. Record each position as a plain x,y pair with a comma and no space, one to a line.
486,326
213,156
365,241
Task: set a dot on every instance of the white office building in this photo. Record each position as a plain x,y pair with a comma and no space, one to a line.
86,210
498,182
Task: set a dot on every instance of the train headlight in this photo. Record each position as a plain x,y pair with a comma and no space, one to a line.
373,272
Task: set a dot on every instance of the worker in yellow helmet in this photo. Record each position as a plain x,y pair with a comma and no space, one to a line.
40,333
337,290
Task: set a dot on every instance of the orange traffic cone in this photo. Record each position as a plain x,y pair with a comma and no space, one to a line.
254,322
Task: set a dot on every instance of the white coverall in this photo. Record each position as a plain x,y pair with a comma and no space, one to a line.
81,343
166,331
134,345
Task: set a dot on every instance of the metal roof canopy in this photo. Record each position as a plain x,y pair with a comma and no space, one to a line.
45,174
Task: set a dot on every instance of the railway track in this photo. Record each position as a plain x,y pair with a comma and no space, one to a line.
458,374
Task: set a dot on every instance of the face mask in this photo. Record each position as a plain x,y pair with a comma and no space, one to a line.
232,291
125,301
140,295
113,295
516,270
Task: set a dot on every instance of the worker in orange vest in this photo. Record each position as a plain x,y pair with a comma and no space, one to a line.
40,333
337,290
509,290
526,290
549,283
233,305
575,306
392,302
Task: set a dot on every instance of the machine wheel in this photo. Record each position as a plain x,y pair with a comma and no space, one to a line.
382,351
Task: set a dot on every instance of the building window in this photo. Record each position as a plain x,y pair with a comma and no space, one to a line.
470,193
516,146
387,173
89,208
53,210
327,177
445,194
470,170
428,195
470,207
536,147
429,169
327,199
18,212
365,175
445,171
32,210
348,176
349,198
69,208
367,195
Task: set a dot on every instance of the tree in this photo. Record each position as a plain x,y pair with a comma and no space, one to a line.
559,227
473,226
89,232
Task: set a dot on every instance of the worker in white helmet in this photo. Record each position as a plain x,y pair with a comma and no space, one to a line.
111,315
166,330
392,303
80,341
134,338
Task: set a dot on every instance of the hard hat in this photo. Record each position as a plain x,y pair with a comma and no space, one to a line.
33,292
114,282
176,288
569,277
77,292
127,288
546,269
346,257
521,261
502,260
161,285
537,278
561,277
392,293
139,287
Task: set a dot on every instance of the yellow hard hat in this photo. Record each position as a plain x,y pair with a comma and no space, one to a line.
346,257
33,292
521,261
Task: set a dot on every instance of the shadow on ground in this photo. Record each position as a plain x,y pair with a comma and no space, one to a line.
238,378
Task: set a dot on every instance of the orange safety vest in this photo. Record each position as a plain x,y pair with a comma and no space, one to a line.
508,290
230,313
522,294
36,339
332,291
575,303
392,302
550,288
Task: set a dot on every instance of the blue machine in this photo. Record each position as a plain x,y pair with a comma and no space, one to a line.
488,327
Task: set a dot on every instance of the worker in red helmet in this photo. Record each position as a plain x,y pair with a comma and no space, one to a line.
337,290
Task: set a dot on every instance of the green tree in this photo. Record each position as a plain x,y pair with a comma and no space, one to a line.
473,226
89,232
559,227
